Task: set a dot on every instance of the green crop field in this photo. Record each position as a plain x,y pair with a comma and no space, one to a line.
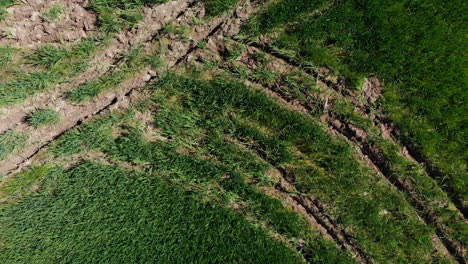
233,131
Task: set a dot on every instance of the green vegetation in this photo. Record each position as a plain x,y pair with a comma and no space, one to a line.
60,65
53,13
217,7
9,141
405,44
3,5
205,166
6,55
122,216
43,117
335,158
132,63
303,88
116,15
228,109
48,56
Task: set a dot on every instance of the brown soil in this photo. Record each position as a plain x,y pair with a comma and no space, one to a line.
26,25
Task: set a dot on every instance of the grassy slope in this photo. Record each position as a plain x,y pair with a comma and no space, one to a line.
406,44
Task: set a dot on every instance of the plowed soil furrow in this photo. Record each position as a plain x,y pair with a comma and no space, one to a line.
381,120
374,154
73,115
105,61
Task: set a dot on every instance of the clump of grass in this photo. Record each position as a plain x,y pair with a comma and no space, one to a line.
43,117
9,141
154,60
115,15
48,55
131,63
6,55
217,7
53,13
91,89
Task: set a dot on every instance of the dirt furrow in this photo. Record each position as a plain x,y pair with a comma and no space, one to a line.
388,129
105,61
73,115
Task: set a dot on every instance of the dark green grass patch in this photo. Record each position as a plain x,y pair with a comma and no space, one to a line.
217,7
43,117
116,15
96,213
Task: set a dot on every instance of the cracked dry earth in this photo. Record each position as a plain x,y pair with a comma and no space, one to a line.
201,40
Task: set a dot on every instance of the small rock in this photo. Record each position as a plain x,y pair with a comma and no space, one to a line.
371,89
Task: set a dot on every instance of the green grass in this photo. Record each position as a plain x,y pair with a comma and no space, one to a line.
43,117
59,65
48,56
116,15
91,89
301,87
3,5
196,160
344,180
131,64
6,55
196,174
53,13
102,213
9,141
217,7
404,43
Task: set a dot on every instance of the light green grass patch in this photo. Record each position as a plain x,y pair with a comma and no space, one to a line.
43,117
